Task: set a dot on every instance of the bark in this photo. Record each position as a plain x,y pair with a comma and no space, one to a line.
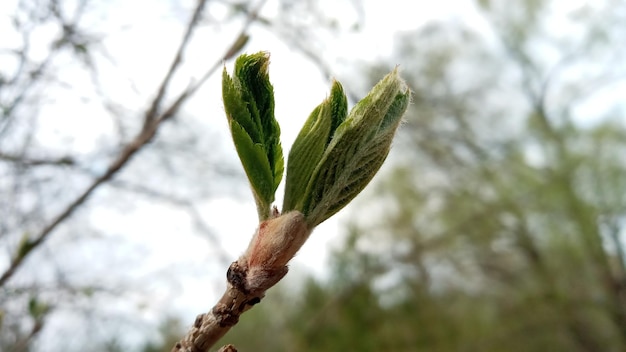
261,267
209,327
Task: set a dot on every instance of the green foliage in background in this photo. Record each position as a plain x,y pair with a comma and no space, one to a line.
501,225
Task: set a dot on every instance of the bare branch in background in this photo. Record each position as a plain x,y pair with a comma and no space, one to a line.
38,174
197,218
153,120
25,161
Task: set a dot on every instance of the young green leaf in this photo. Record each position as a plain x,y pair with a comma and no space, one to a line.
249,103
309,146
356,150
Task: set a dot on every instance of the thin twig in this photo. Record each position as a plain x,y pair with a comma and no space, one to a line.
192,211
151,125
21,160
238,43
156,103
22,344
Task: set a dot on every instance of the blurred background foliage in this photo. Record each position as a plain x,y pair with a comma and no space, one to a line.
500,215
501,222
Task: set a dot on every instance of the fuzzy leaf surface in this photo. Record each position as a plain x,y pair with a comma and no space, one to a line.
357,150
310,145
249,104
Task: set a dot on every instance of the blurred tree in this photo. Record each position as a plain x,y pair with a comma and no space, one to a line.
501,226
89,137
59,146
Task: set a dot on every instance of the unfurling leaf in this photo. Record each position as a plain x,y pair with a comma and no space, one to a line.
353,153
335,155
309,146
249,103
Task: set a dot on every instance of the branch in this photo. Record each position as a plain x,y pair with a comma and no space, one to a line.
239,42
227,348
22,344
329,175
152,122
261,267
25,161
154,108
208,328
198,222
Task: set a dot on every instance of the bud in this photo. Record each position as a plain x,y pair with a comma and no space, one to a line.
274,244
346,151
